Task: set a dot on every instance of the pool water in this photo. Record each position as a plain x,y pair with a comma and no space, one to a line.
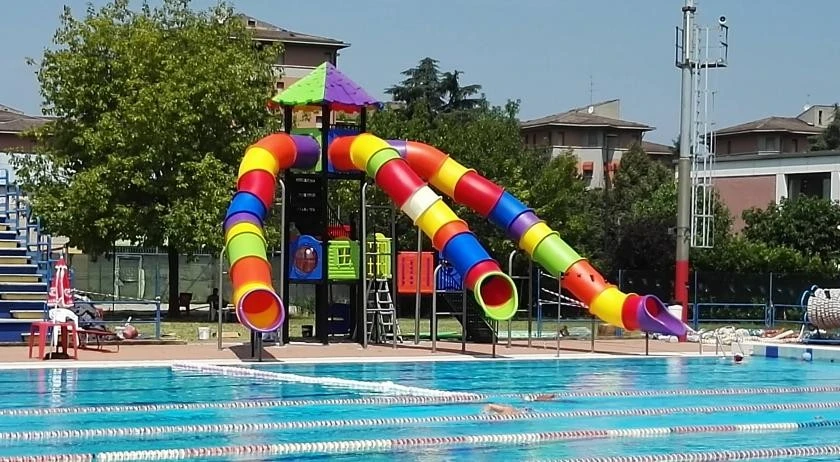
663,386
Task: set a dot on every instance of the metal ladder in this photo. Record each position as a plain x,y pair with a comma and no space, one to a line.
382,319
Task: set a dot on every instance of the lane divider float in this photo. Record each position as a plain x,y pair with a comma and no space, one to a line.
380,387
357,446
405,400
374,422
717,456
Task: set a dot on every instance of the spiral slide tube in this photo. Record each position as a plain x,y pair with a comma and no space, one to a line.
541,243
258,306
494,291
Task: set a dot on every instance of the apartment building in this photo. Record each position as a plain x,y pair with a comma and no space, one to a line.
596,134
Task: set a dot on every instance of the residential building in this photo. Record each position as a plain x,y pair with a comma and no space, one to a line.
773,135
760,162
301,54
13,123
595,134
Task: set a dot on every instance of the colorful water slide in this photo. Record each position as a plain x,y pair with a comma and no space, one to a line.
541,243
494,291
258,306
521,224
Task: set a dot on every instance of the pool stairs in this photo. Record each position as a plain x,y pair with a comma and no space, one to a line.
25,264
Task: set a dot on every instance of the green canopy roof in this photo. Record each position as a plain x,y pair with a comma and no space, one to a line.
326,85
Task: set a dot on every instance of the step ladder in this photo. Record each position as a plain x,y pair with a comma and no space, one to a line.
382,321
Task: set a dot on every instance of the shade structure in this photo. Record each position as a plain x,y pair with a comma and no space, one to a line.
326,85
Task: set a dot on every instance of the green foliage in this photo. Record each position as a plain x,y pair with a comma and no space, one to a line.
829,139
426,89
153,109
742,255
808,225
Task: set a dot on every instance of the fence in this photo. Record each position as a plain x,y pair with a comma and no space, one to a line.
767,299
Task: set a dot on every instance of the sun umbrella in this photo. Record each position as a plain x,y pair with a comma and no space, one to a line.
61,294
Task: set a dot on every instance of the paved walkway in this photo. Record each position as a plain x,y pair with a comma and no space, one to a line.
303,351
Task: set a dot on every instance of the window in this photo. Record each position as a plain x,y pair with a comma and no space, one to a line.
795,145
549,139
592,138
819,117
252,23
280,85
769,143
729,146
809,184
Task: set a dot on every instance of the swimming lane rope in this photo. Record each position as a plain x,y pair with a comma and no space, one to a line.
406,400
356,446
271,426
718,456
380,387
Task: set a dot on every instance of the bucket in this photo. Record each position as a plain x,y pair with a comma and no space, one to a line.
204,333
676,311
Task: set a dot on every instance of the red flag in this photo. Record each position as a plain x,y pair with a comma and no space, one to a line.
61,294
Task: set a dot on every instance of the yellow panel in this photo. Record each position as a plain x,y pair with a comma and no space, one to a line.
257,158
435,217
608,304
447,176
244,227
532,238
364,147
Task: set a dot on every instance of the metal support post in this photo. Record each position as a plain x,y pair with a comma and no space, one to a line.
221,296
686,65
464,317
363,269
510,273
647,343
433,329
530,301
592,335
417,265
559,306
284,303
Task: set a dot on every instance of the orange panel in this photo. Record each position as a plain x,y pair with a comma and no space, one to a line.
407,272
584,281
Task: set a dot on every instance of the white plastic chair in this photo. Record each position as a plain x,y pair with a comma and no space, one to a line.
64,315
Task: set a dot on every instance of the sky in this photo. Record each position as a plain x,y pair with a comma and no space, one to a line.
552,55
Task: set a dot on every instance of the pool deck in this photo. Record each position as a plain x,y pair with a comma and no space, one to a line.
17,356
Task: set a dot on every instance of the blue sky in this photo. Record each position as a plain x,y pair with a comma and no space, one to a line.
783,54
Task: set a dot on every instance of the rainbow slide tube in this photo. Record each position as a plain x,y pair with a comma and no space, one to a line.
541,243
258,306
494,291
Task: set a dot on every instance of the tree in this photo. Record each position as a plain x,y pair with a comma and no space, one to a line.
829,139
808,225
152,111
426,90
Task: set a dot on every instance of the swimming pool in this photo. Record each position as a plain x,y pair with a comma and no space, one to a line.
432,411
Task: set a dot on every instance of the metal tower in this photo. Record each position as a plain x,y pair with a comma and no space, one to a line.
710,52
695,56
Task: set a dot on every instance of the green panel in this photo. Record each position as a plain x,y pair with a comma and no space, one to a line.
342,260
378,160
554,255
379,254
306,91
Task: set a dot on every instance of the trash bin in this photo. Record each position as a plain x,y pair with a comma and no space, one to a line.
306,331
204,333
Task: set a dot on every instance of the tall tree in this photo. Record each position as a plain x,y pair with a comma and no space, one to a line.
152,111
829,139
426,88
